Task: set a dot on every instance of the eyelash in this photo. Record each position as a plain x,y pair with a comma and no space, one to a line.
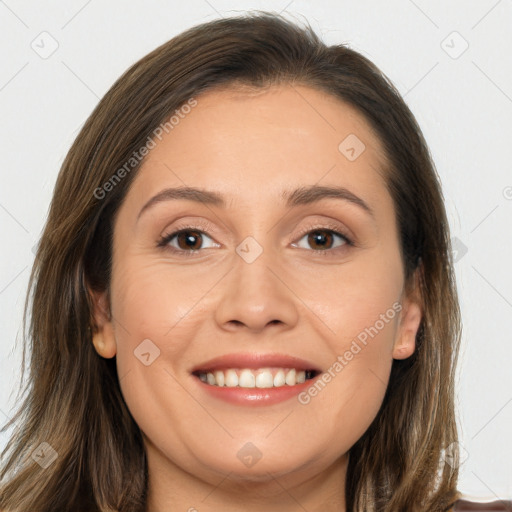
203,229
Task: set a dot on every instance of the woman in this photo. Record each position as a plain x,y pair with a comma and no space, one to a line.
243,298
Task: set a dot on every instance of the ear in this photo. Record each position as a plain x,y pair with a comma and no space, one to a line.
410,319
103,336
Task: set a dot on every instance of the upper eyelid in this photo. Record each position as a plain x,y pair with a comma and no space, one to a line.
206,226
328,227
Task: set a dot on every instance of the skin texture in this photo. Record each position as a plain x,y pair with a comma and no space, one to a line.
250,147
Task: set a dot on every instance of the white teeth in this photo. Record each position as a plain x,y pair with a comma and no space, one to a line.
279,379
231,379
290,377
219,377
246,379
264,380
261,378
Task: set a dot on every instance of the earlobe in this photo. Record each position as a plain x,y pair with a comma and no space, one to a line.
410,321
104,342
409,325
103,336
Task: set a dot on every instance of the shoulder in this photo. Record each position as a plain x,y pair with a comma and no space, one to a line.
490,506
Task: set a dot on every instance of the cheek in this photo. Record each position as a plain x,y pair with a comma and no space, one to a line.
152,314
148,310
151,298
347,397
353,298
359,304
158,311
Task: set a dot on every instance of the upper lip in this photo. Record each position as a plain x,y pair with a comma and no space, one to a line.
254,361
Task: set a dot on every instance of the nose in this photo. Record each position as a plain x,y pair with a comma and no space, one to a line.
257,295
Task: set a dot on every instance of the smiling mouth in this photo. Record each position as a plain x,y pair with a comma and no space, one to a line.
255,378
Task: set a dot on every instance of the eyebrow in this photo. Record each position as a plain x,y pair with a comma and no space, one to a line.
300,196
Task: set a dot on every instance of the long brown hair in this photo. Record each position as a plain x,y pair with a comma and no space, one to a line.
73,400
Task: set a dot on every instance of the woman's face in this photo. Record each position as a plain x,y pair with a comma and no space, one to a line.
299,261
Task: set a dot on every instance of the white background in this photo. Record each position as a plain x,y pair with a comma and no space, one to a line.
462,100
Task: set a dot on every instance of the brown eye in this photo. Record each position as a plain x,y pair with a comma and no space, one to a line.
320,239
189,240
323,240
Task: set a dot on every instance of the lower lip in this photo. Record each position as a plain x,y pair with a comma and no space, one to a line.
255,396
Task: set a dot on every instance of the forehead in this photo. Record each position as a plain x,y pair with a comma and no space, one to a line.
254,143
